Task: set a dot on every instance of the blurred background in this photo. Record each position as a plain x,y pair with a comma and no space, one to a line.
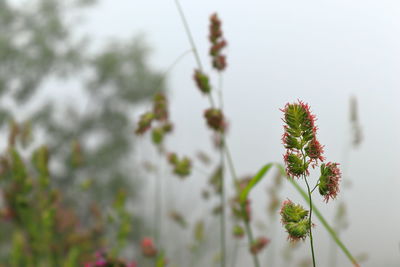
76,76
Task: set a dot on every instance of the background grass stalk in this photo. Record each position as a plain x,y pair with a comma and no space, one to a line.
249,232
158,201
222,195
225,146
222,215
192,44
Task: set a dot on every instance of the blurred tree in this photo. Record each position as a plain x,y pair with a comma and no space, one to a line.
89,146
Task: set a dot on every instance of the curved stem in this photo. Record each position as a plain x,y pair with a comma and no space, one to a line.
189,34
315,187
192,43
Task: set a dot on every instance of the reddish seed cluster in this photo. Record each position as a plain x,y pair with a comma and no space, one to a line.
259,244
215,119
181,167
329,184
315,150
144,123
160,107
202,81
217,43
159,115
300,139
238,231
148,248
102,260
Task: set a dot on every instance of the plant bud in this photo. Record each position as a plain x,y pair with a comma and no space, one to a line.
145,122
202,81
258,245
215,119
329,180
295,166
295,220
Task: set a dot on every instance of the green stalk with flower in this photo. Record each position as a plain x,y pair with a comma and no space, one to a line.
302,151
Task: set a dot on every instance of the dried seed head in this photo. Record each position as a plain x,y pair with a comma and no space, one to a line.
145,122
178,218
167,127
215,119
215,28
182,167
157,135
238,231
217,43
160,107
259,244
148,248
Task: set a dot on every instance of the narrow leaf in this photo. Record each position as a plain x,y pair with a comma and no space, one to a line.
245,192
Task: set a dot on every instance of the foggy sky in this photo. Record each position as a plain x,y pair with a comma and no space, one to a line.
321,52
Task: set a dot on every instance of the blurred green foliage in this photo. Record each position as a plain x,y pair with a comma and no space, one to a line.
66,201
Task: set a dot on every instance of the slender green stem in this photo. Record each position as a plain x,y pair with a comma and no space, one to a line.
222,195
220,92
321,218
222,217
315,187
250,236
171,67
158,201
249,232
310,215
230,163
192,43
310,221
189,34
235,253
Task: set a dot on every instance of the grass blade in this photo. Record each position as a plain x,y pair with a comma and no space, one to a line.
245,192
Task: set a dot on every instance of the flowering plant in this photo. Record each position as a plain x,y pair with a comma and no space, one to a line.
302,151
